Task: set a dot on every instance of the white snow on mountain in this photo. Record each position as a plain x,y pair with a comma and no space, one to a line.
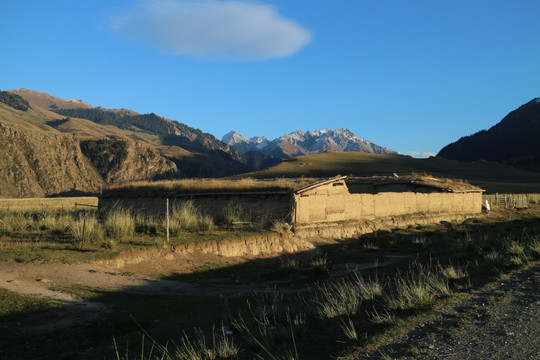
302,143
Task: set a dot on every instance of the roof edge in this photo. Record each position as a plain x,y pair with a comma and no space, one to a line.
312,186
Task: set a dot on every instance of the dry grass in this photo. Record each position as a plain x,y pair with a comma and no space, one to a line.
187,217
120,225
39,204
420,286
340,298
212,185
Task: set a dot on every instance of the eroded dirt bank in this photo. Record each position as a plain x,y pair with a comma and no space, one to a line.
136,270
302,238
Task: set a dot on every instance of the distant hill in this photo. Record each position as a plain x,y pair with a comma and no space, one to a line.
491,176
514,140
305,143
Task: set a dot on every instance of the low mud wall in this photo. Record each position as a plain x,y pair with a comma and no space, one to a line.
248,207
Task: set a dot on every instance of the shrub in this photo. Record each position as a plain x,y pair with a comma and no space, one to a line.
320,264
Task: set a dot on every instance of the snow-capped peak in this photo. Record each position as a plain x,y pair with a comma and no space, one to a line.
232,138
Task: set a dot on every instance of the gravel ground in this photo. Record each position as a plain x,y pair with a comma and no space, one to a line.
501,321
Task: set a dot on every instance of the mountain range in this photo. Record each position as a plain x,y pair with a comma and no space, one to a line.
304,143
53,146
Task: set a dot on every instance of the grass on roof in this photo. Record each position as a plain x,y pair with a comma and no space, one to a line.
213,185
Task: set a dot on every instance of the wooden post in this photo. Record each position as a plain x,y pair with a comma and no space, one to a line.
167,219
83,229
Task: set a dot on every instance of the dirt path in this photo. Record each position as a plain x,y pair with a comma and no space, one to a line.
501,321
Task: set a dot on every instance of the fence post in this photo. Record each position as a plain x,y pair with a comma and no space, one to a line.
167,219
83,229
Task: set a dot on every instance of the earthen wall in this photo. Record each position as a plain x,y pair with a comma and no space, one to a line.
330,203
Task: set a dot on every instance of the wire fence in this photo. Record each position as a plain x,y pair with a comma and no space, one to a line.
510,201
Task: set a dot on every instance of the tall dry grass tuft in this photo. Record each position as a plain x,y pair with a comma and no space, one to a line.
147,224
120,225
186,217
534,247
269,322
11,222
343,297
420,286
56,223
221,347
348,329
87,226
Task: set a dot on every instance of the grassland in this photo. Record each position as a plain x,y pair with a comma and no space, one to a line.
72,230
47,204
341,300
493,177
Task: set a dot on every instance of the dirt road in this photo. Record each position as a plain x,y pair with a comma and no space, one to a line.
499,322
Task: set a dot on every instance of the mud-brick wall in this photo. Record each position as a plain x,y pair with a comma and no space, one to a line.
335,203
251,207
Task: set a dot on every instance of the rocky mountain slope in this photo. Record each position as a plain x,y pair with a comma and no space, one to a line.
304,143
44,153
36,160
514,140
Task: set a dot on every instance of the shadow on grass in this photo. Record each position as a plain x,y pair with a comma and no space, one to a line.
216,294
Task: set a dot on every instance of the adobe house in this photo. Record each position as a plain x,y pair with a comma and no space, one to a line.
349,198
337,199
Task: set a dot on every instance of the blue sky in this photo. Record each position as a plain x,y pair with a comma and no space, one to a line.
410,75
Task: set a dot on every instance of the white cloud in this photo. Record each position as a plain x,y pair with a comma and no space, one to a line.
235,30
421,155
